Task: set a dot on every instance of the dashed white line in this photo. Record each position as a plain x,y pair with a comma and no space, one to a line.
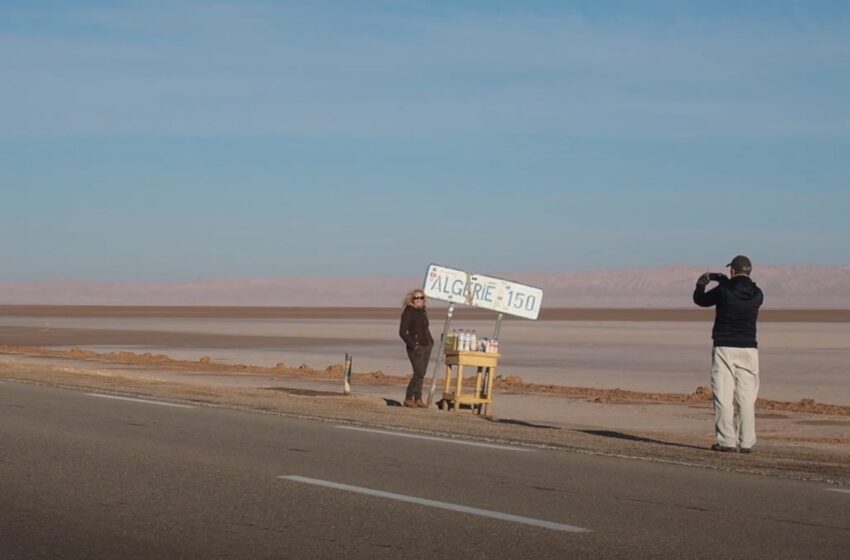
441,505
161,403
840,490
432,438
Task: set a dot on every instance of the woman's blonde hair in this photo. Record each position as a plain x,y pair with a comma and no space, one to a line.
408,298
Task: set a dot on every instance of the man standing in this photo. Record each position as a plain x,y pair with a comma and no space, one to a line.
735,359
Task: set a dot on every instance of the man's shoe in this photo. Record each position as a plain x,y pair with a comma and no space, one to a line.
723,448
410,403
420,403
746,450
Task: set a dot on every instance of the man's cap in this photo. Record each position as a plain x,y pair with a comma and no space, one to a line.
741,264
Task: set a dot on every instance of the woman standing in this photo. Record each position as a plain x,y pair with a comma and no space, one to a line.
416,335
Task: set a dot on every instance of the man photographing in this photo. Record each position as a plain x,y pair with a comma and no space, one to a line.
735,359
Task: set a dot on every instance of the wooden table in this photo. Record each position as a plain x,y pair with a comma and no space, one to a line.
478,400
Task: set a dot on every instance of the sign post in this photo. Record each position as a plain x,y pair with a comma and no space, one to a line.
438,362
458,286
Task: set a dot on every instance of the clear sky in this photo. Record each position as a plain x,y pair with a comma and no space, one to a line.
172,141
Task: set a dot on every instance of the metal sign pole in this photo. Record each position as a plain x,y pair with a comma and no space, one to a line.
439,359
496,330
498,326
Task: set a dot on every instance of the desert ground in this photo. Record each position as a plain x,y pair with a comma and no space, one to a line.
624,382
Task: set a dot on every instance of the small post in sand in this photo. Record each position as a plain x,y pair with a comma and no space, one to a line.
346,375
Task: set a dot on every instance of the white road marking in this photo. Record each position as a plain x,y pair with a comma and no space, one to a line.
841,490
442,440
441,505
175,405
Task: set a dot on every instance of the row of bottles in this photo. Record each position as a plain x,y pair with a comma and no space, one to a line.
467,341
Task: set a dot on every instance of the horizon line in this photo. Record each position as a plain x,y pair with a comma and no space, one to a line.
679,314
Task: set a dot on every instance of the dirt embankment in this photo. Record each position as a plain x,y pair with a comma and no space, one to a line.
510,384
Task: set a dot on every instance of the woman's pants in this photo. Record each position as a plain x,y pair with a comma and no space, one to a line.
419,357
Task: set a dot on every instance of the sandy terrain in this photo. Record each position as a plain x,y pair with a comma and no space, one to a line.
640,390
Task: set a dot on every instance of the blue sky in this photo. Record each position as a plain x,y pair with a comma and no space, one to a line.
172,141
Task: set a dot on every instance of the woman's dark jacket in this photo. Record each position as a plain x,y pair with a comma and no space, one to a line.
413,328
738,300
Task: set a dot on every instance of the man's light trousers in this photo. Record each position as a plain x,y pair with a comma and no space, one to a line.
735,384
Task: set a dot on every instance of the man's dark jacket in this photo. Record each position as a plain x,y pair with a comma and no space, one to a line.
737,302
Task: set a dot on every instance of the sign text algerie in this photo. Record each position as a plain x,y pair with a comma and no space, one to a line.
503,296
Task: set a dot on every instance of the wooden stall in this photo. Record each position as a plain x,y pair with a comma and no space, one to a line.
477,399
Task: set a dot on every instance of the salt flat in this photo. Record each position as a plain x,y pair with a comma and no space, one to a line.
799,360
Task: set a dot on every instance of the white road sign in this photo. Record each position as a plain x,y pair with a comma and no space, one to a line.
502,296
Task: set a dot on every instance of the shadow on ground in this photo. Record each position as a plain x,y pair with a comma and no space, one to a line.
630,437
303,392
521,423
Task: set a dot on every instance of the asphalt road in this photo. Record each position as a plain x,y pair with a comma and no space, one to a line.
83,476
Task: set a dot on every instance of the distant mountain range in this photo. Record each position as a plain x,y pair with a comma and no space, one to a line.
817,287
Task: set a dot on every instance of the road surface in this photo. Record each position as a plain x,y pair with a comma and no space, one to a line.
86,475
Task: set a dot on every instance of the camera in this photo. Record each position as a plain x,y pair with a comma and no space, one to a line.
711,277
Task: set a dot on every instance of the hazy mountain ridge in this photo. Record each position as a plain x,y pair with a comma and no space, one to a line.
672,286
667,287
